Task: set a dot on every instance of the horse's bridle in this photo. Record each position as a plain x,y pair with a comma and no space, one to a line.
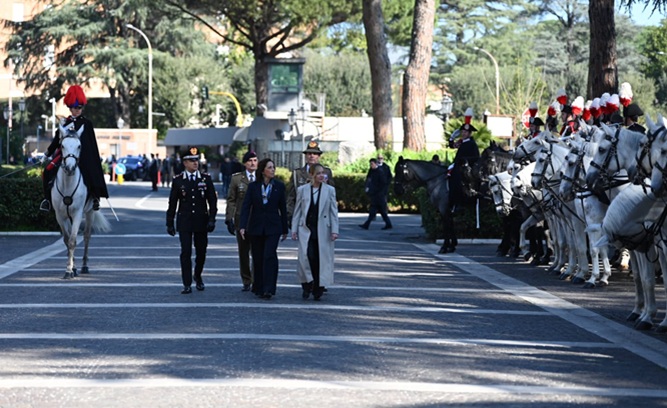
612,153
68,200
646,152
576,179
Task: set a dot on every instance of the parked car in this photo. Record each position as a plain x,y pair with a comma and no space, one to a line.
134,169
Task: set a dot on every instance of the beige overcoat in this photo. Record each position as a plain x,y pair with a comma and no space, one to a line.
327,224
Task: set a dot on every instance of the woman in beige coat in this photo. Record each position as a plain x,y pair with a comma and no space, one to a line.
316,209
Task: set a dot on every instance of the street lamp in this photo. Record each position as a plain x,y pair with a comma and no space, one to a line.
446,106
495,64
7,112
150,80
121,124
22,109
291,119
302,132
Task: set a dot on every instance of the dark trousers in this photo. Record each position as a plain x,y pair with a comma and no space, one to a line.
378,205
154,181
201,242
314,260
264,250
244,258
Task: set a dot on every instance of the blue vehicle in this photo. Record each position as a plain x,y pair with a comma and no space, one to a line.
134,169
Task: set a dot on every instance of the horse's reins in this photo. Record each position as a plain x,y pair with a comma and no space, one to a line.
21,169
68,200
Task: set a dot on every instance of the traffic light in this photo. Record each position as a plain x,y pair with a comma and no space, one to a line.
204,92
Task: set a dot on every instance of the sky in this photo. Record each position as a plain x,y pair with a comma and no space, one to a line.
644,17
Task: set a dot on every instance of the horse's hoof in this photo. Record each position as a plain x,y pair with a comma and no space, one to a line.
527,257
632,317
563,276
74,272
589,285
604,283
642,325
68,275
450,249
578,280
661,329
84,269
442,250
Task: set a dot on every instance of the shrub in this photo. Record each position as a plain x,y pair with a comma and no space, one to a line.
19,204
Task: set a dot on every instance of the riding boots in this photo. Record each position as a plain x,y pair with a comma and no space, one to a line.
96,204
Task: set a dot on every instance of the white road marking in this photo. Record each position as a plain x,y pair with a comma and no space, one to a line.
281,383
34,257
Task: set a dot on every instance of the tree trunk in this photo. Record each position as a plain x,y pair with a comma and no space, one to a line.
602,71
261,81
415,80
380,65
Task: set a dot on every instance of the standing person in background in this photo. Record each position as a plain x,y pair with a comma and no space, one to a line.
167,171
264,220
193,196
237,191
226,172
152,171
315,225
376,187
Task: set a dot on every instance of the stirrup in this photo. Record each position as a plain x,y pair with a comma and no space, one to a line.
45,205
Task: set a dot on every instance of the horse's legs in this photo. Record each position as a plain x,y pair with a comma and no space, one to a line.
70,272
662,327
647,276
86,239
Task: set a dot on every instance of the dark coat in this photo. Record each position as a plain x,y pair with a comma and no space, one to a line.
89,160
258,218
467,152
192,198
377,186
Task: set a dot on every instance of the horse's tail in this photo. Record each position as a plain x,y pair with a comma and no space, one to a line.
100,222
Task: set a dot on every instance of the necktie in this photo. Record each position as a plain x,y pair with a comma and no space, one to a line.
192,177
252,178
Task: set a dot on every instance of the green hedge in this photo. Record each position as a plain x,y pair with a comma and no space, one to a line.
19,206
22,193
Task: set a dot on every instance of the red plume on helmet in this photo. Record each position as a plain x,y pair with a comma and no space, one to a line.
578,105
468,116
613,103
586,115
532,109
561,96
625,94
595,108
553,109
75,97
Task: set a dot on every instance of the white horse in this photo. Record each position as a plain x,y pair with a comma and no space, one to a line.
588,205
70,203
633,217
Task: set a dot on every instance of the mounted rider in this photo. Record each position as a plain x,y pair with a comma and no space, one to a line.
89,159
467,153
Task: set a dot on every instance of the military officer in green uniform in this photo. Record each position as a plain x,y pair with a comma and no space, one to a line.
194,199
238,186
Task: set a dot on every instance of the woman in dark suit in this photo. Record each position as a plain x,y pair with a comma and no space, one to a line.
264,220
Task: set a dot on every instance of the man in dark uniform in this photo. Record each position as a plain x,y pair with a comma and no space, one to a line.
631,114
194,195
467,153
238,187
89,159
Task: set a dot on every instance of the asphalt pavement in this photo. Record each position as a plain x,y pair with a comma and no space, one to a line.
401,327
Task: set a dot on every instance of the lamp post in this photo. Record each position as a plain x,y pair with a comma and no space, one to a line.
120,124
53,117
446,106
22,109
495,64
291,119
302,132
7,112
150,80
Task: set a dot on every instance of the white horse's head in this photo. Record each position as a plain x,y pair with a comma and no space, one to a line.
658,154
499,185
70,144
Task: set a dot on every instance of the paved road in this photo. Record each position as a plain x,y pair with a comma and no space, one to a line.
402,327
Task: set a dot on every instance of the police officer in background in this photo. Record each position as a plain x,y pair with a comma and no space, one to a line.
238,187
193,195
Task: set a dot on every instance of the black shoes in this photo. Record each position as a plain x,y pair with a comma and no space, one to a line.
246,288
266,296
200,285
307,289
387,227
363,226
186,290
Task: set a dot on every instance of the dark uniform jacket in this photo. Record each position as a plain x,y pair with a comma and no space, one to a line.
89,159
636,127
191,198
258,218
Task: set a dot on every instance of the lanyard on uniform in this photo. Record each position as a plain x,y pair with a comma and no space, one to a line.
266,192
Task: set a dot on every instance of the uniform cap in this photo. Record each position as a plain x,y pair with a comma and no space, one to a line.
313,147
632,110
536,121
75,97
248,155
192,154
